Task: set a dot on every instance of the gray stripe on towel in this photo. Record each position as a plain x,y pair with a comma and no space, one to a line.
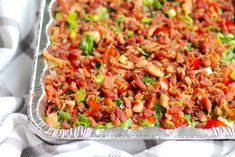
218,148
149,143
5,21
4,92
14,142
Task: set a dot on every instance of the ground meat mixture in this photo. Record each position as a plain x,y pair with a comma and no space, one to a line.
140,63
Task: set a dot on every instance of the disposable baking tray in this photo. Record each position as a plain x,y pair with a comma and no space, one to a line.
37,105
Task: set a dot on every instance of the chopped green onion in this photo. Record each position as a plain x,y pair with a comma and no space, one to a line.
58,15
147,2
220,11
145,123
157,5
194,123
157,123
119,102
99,78
188,118
71,19
171,124
146,20
233,75
99,126
229,119
146,9
176,3
75,125
159,110
87,44
80,95
44,117
58,126
146,79
83,120
225,38
232,102
171,13
188,20
130,34
228,55
143,52
187,47
64,116
180,103
211,28
117,28
102,12
95,18
109,125
122,59
120,19
98,65
98,99
126,124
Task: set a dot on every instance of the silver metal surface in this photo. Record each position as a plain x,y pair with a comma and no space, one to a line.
37,104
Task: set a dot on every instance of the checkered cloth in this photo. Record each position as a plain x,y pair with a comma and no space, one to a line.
18,33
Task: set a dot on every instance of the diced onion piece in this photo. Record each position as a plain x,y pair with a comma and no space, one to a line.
99,78
52,120
230,124
153,70
138,107
171,13
122,59
164,101
96,35
208,70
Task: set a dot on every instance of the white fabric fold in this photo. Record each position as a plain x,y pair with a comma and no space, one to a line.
20,11
10,38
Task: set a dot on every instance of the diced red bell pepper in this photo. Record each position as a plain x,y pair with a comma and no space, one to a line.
230,25
200,31
178,121
108,52
151,119
207,103
162,29
227,25
74,114
194,63
122,86
72,59
213,7
93,107
226,77
214,123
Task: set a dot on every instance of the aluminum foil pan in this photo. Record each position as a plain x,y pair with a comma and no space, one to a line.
37,105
